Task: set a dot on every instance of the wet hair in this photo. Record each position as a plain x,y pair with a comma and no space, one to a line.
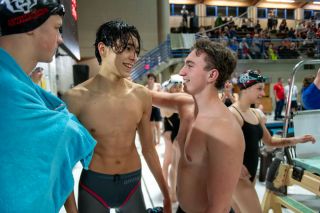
116,34
151,75
217,57
307,81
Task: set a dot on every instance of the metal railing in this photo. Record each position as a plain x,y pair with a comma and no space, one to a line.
152,59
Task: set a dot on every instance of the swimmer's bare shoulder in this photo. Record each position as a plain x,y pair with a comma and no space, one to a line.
76,97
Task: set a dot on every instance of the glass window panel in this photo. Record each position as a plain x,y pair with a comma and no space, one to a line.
211,11
281,13
232,11
290,14
262,13
242,10
307,14
175,9
222,11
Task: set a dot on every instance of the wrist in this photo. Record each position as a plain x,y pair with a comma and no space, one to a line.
293,142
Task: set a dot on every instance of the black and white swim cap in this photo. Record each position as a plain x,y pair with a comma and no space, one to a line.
19,16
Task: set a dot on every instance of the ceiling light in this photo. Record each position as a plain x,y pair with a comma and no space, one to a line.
282,1
316,2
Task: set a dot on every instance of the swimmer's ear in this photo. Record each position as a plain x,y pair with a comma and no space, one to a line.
213,75
103,49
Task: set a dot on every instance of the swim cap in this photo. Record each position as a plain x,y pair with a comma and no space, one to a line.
249,78
20,16
174,80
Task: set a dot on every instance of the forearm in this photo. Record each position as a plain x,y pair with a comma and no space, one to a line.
70,204
153,162
283,142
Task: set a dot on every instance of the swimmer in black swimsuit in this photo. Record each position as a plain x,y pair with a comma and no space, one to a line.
155,117
251,83
171,125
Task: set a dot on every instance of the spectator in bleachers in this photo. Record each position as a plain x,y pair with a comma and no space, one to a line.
231,22
255,51
193,22
244,25
202,32
258,26
256,40
232,32
271,52
283,26
244,49
283,49
293,52
250,25
218,21
291,33
270,21
184,13
233,45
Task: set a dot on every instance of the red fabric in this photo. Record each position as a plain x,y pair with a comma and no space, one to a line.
278,87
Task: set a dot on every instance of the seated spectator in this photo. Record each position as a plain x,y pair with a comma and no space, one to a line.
255,51
232,32
283,50
202,32
256,40
218,21
293,51
244,49
311,94
292,33
271,52
233,45
283,26
258,26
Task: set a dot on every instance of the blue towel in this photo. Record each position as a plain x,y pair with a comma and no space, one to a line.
40,144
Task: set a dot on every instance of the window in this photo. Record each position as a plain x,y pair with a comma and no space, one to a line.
226,11
308,14
211,11
232,11
242,10
281,13
290,14
222,11
175,9
262,13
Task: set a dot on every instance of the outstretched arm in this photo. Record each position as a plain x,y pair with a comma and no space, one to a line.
150,154
284,142
172,101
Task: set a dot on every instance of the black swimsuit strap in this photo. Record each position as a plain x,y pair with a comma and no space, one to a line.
242,116
238,112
